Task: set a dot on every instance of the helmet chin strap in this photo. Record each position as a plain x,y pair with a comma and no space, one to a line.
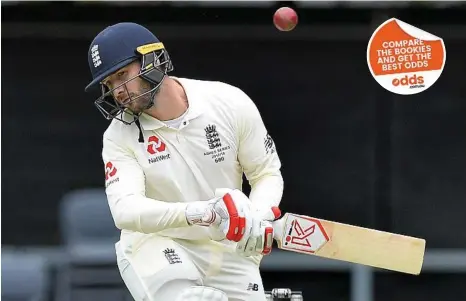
155,78
141,136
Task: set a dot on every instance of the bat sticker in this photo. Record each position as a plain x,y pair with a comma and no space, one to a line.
304,234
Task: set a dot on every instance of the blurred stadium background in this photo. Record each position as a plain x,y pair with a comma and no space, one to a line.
351,151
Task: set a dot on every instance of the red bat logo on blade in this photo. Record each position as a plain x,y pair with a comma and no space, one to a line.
303,235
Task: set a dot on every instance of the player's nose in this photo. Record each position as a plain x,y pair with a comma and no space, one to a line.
120,94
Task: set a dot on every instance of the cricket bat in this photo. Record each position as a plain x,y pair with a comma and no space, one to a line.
313,236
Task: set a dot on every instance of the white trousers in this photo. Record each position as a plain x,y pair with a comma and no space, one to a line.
160,268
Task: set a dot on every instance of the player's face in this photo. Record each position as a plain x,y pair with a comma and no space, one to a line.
133,94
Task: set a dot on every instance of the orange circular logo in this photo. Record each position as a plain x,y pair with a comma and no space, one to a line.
404,59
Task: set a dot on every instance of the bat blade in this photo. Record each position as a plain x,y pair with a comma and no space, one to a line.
313,236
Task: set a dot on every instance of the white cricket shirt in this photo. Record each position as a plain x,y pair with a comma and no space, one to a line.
221,136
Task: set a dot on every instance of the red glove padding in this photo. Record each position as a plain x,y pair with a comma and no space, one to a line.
230,213
260,239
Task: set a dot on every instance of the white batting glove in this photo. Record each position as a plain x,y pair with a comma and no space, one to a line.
229,213
259,241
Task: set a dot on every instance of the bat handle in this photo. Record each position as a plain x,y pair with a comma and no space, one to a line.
278,230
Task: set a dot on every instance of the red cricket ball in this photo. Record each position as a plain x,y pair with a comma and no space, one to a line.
285,19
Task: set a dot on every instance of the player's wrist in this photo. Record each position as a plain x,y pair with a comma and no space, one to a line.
200,213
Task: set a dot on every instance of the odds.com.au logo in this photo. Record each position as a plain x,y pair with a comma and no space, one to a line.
413,82
404,59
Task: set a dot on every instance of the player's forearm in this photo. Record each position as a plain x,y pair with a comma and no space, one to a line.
141,214
267,191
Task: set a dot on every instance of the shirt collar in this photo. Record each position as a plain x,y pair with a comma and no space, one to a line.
194,102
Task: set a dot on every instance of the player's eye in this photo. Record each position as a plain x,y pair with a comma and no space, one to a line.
107,85
121,73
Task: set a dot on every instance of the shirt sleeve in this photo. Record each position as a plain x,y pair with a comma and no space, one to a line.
258,155
125,189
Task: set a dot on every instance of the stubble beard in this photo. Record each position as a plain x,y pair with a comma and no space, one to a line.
142,101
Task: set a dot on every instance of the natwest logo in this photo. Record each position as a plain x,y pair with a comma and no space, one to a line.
155,145
408,81
110,171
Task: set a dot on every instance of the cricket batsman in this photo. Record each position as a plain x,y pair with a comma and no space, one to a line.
174,154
